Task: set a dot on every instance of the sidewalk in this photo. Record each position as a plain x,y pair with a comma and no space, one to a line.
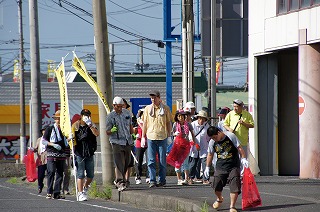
277,193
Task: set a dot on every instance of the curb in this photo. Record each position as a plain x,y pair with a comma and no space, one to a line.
151,201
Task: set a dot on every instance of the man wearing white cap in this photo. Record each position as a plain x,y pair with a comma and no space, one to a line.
119,129
238,121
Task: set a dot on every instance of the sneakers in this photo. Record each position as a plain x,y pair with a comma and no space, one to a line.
179,183
127,184
206,182
121,186
138,180
85,190
184,182
197,180
82,196
147,180
49,196
58,196
152,185
161,184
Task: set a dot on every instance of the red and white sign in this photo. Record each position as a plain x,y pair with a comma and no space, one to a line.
302,105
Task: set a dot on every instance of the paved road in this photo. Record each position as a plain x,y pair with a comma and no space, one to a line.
279,194
23,198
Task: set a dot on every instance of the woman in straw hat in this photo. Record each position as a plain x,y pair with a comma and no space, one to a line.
198,155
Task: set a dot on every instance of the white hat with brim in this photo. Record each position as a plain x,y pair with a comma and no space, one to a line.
203,114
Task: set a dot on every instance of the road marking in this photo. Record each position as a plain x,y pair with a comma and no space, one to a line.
88,204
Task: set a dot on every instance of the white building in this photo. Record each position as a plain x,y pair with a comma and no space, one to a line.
284,86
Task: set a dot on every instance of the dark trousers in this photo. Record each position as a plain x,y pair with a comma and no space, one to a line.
66,175
122,157
54,169
41,174
195,167
139,155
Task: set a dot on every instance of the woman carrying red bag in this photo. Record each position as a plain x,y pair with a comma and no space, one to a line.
227,147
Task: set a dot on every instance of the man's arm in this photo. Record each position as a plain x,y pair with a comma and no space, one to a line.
209,159
95,131
242,152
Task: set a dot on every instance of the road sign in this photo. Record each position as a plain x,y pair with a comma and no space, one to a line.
302,105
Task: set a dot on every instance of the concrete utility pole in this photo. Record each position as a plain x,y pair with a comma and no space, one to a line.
104,83
141,55
113,77
22,93
213,60
187,51
35,72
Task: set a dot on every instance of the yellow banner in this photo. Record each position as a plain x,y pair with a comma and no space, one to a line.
65,123
79,66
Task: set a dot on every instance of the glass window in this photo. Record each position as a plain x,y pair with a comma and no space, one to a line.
316,2
294,5
305,3
282,6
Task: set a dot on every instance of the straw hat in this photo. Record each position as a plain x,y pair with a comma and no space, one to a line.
203,114
57,114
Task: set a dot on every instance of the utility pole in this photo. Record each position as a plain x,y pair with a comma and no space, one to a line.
141,55
187,51
35,72
104,83
190,46
113,77
22,93
213,60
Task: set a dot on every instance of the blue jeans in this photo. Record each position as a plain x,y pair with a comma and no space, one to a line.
85,164
160,147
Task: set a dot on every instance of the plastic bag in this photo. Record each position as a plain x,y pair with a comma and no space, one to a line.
250,194
31,169
179,152
253,165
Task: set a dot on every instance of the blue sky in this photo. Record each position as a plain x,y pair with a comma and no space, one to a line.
63,29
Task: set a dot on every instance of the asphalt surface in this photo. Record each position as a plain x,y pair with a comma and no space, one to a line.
277,193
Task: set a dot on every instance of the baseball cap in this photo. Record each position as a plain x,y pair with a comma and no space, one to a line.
117,101
224,111
189,105
154,93
238,102
85,112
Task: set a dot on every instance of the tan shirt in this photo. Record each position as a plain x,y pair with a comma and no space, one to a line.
157,127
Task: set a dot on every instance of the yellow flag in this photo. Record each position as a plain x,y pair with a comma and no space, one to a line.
65,123
79,66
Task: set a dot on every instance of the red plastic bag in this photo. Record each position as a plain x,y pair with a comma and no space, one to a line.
179,152
31,169
250,194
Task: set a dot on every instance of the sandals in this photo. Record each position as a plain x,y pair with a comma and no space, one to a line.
217,203
233,209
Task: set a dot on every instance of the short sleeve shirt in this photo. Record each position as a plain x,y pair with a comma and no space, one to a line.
156,125
241,131
227,152
123,122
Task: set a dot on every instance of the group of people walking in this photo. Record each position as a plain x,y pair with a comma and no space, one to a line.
195,142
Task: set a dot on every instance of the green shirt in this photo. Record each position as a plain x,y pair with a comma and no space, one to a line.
241,131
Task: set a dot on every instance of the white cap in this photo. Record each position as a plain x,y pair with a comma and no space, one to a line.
117,101
189,105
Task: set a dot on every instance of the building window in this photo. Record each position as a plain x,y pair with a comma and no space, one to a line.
285,6
294,5
315,2
282,6
305,3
